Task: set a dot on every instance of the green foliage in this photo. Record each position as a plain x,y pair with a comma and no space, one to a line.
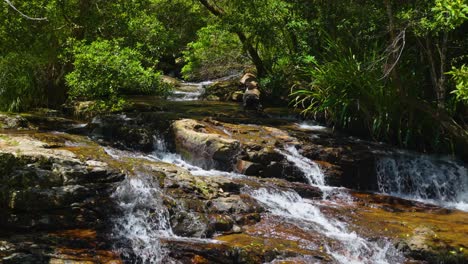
158,30
460,76
18,88
103,70
350,92
215,53
450,14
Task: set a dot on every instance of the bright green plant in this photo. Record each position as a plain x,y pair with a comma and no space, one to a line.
348,91
18,82
104,71
460,76
450,14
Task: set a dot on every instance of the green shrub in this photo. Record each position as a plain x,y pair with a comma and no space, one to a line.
460,76
104,71
19,89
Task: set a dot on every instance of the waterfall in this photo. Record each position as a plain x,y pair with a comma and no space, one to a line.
428,179
144,221
311,170
191,91
161,153
288,204
352,248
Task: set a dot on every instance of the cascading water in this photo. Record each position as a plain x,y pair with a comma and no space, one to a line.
303,212
355,249
144,220
311,170
188,91
161,153
313,174
439,181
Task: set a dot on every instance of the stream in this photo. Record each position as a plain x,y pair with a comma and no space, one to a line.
251,193
426,177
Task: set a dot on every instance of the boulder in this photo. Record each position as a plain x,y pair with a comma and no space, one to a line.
47,191
14,122
208,149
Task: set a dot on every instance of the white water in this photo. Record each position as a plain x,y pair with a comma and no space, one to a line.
311,170
196,89
313,126
353,249
161,153
303,212
145,220
432,180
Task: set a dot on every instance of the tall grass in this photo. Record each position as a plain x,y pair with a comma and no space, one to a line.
349,91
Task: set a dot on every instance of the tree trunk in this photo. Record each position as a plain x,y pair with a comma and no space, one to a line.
441,89
394,57
256,59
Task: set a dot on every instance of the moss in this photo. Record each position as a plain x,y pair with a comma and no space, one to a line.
260,249
203,188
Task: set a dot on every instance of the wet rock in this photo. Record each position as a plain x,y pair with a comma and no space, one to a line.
221,223
190,224
24,258
15,122
201,146
237,96
221,90
248,168
48,190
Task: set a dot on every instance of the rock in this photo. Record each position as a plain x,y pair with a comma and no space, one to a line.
248,168
203,147
251,98
170,80
221,90
46,191
14,122
237,96
190,224
129,131
236,229
221,223
212,97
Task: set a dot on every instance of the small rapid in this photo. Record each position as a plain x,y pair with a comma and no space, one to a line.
192,91
145,219
428,179
188,91
353,248
303,212
143,222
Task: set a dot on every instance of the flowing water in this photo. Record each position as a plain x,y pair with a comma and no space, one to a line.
439,181
189,91
145,220
311,170
303,212
354,249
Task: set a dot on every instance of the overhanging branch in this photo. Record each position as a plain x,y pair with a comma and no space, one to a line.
24,15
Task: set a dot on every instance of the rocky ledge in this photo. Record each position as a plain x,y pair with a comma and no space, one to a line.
57,202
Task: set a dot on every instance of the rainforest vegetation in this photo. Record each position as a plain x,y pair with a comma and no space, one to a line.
394,71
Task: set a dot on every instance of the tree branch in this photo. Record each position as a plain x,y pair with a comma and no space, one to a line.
24,15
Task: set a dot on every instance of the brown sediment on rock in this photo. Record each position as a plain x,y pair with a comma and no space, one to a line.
424,231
